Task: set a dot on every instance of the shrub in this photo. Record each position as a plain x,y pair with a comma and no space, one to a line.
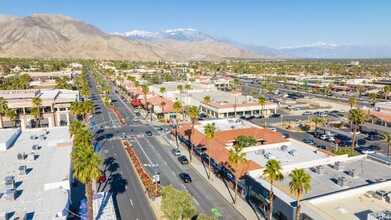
342,151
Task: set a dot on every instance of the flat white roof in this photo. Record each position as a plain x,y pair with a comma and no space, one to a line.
44,191
6,134
172,86
302,154
224,98
224,124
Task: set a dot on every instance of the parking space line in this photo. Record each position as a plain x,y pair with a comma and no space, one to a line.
183,186
131,202
173,173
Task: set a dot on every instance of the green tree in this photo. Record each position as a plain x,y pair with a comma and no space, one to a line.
11,115
62,83
177,204
236,83
209,131
3,109
207,100
187,87
262,102
194,112
85,164
341,151
352,102
162,90
236,158
177,108
88,109
205,217
356,117
75,127
145,90
272,173
318,120
387,139
360,89
372,98
83,137
300,184
36,109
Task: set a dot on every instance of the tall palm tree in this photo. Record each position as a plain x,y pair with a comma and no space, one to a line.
387,139
162,104
272,172
236,157
11,115
36,109
236,83
88,109
180,89
360,89
352,102
3,109
372,98
194,112
76,109
207,100
145,90
318,120
177,108
209,131
187,87
85,164
82,136
262,102
300,184
75,127
357,117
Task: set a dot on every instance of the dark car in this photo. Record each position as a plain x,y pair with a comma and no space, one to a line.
149,133
344,143
321,147
308,141
185,177
243,117
373,138
361,142
317,135
183,160
342,137
275,116
138,113
375,147
251,117
285,135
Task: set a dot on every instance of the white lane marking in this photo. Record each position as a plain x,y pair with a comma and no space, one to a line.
150,162
183,186
165,162
196,202
126,187
158,154
131,202
115,154
121,173
173,173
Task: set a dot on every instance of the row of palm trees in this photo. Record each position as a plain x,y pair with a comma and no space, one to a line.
12,114
85,161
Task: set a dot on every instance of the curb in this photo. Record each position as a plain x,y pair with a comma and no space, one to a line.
142,185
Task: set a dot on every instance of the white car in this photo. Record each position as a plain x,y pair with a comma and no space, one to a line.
135,110
343,119
342,111
290,107
273,129
135,119
331,139
352,132
323,137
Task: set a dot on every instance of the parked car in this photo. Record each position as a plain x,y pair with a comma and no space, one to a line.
135,119
373,138
321,147
374,147
330,138
342,137
344,143
275,116
309,141
323,137
243,117
365,150
273,129
361,142
183,159
148,133
138,114
176,152
102,178
285,135
251,117
317,134
185,177
352,132
307,113
289,107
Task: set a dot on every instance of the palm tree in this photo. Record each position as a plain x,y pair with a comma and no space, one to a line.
177,108
162,104
360,89
236,83
356,117
187,87
162,90
318,120
11,115
272,172
372,98
207,100
88,109
194,113
85,91
209,131
76,108
298,87
75,127
300,184
352,102
3,109
145,90
373,83
263,86
262,102
37,103
236,157
85,164
83,136
387,139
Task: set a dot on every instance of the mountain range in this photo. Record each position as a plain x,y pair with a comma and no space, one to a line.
57,36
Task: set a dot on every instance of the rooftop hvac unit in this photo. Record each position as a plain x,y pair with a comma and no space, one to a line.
270,156
21,156
319,169
293,152
45,132
9,182
342,181
353,173
35,147
232,127
261,151
41,137
10,195
31,156
284,148
388,197
32,137
22,170
338,166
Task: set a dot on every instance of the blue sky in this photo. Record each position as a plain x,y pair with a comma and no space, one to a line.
271,23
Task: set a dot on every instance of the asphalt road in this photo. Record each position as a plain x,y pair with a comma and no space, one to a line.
151,151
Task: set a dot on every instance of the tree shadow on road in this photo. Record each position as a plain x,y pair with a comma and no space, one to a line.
117,186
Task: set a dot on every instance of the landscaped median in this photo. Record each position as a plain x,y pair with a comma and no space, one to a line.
117,113
144,177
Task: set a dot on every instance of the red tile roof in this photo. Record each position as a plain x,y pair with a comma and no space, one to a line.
379,115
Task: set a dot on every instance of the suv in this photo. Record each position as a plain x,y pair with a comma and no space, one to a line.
176,152
148,133
373,138
183,160
185,177
308,141
307,113
275,116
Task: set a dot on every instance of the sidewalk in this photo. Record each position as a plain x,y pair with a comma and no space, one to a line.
242,206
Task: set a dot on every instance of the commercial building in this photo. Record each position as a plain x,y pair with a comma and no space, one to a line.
55,107
37,175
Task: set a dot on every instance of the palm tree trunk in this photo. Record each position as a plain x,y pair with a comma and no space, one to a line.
271,201
89,199
354,137
1,121
176,131
191,140
298,209
209,159
236,188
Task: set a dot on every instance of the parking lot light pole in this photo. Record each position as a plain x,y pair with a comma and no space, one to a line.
281,119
